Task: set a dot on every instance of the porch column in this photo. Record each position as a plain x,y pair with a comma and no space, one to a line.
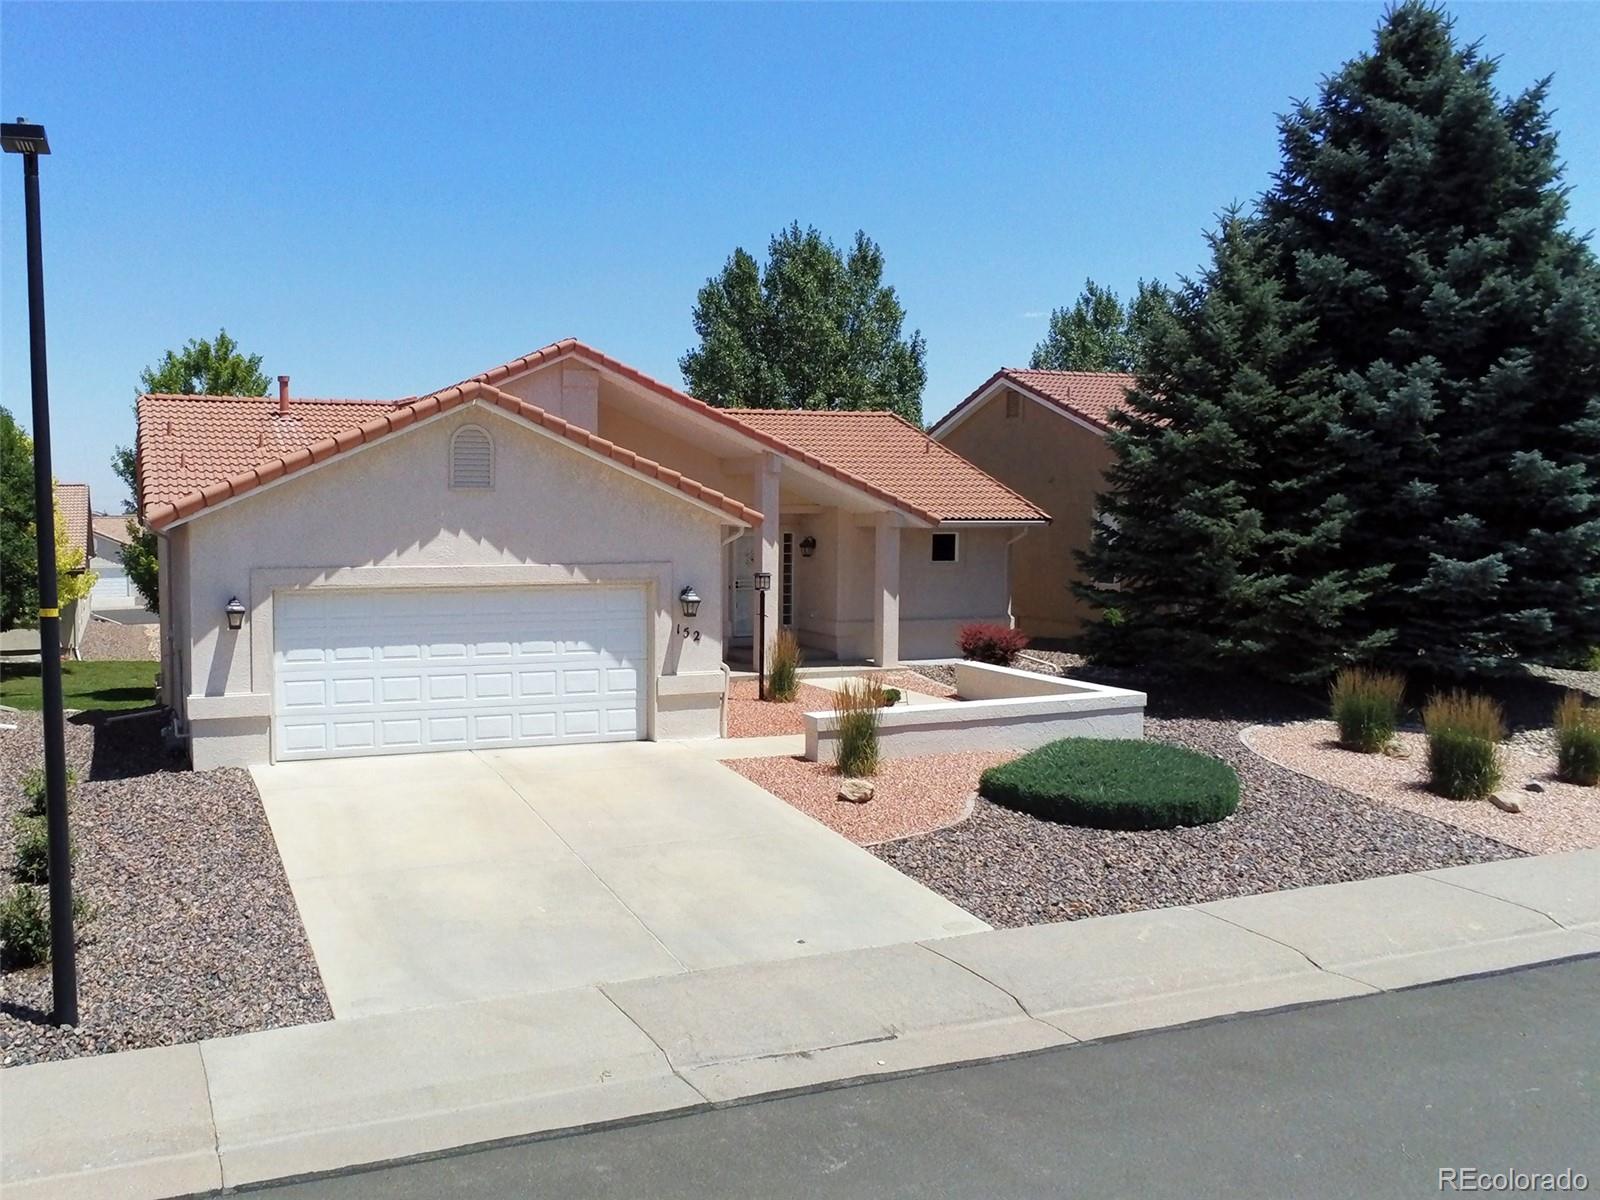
768,474
886,591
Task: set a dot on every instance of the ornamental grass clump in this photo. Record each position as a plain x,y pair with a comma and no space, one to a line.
855,717
1366,707
783,671
1577,741
1464,736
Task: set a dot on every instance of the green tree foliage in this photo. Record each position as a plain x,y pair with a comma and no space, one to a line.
19,568
1421,216
1375,421
1099,332
814,328
200,368
1217,539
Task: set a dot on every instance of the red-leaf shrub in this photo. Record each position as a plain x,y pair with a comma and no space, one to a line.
997,644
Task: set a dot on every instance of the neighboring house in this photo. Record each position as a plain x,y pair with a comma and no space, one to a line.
112,588
73,501
504,562
1043,434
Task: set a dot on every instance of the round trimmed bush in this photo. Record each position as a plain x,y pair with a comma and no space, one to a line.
1115,784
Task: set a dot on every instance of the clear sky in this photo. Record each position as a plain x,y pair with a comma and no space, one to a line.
382,200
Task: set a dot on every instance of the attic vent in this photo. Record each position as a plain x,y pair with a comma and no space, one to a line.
471,458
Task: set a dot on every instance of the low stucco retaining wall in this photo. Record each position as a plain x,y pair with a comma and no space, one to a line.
999,708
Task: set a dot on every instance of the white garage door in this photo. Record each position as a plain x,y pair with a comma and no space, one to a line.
401,672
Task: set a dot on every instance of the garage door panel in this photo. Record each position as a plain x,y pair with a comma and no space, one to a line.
399,672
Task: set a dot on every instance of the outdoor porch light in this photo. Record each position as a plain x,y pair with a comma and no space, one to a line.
235,612
690,599
763,580
808,546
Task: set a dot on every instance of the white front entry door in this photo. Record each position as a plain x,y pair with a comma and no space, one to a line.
743,554
402,672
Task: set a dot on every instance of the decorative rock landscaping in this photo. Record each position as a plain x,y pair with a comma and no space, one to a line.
195,933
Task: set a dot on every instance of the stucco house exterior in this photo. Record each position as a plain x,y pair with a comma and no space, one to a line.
504,562
72,501
1043,434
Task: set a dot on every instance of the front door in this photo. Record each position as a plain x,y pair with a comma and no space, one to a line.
744,553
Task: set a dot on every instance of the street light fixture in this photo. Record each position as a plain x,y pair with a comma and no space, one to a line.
29,141
762,581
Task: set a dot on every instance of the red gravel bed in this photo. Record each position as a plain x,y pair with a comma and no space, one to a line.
913,796
750,717
195,933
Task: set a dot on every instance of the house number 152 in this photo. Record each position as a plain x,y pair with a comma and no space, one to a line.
692,635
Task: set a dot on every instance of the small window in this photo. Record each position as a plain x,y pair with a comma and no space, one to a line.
944,547
1013,405
471,458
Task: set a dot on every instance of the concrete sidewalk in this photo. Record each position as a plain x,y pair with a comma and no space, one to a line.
317,1098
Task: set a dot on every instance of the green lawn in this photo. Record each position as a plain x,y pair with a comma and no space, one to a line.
87,685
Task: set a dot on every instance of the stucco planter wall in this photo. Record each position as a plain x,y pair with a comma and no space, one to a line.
999,708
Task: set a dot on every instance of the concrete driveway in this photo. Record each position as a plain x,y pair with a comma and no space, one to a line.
431,879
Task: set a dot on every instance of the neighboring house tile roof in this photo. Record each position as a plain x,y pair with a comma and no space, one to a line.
897,459
73,499
198,451
1090,395
114,528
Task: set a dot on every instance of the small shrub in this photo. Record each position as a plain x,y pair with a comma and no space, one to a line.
855,716
33,789
1464,735
1591,660
1366,707
33,849
24,927
888,697
1577,741
995,644
783,671
1115,784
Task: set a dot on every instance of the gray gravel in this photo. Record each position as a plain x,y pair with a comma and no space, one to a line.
195,933
1289,831
109,641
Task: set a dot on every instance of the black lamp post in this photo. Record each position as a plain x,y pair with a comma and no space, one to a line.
763,581
29,141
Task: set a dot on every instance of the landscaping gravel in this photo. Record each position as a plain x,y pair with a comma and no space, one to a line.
1289,831
749,716
911,795
109,641
1555,817
195,933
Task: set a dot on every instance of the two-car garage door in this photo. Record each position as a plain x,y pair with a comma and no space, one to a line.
397,672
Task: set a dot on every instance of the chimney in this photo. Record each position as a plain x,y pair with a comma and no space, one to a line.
283,395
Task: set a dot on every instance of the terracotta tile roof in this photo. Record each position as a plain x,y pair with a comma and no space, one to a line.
896,459
197,451
115,528
73,500
1091,395
815,453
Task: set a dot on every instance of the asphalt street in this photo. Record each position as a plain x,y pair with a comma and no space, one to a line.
1371,1097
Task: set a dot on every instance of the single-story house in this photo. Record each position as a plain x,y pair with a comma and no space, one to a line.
1043,434
560,549
110,535
112,587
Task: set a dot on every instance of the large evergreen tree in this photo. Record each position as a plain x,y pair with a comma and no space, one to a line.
1099,332
814,328
1217,539
1421,216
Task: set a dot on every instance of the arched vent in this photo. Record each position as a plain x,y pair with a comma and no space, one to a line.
471,458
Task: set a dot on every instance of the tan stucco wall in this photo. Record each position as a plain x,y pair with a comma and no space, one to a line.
389,506
1059,465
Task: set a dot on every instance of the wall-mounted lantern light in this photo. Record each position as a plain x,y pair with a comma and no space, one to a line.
808,546
235,612
690,599
763,580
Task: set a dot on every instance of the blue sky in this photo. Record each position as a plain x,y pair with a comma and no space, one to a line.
384,199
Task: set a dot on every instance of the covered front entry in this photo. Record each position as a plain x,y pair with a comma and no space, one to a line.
371,671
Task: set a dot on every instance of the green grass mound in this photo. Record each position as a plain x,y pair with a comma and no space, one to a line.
1115,784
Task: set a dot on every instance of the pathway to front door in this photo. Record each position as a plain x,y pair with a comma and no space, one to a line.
430,879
